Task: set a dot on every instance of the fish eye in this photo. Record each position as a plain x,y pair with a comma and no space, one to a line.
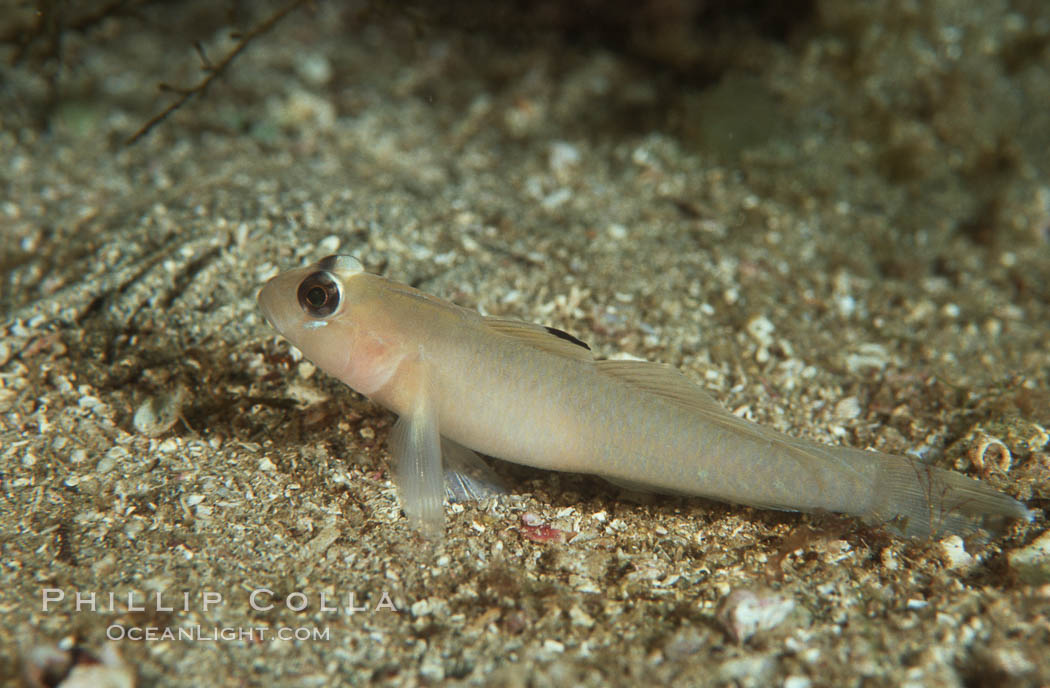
319,295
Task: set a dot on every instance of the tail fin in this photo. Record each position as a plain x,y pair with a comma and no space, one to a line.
918,500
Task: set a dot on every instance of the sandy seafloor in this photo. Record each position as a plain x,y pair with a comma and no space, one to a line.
842,230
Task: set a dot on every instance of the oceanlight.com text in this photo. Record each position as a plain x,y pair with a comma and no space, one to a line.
198,633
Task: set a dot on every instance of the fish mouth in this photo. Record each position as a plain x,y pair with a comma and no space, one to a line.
269,318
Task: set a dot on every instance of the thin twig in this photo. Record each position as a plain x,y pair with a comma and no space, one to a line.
214,71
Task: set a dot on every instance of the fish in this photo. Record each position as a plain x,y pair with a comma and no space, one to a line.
464,384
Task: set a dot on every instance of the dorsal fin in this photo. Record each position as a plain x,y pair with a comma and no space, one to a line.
668,383
544,338
562,334
663,381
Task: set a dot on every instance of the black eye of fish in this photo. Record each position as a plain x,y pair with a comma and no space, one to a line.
319,295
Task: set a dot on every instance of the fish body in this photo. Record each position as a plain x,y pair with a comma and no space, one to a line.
462,383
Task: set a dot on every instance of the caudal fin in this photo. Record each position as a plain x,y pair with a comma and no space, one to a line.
918,500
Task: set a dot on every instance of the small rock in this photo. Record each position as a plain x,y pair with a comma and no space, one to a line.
746,612
761,329
157,415
580,618
7,399
687,641
112,458
92,403
1009,661
43,664
954,550
315,68
553,646
563,158
109,672
556,199
1032,563
431,668
305,109
867,356
323,540
748,671
50,665
847,409
329,245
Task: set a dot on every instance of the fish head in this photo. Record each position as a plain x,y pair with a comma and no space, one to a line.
325,310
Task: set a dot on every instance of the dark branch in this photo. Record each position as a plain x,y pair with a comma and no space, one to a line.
205,62
213,71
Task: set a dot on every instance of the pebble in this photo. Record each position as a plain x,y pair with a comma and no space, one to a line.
1032,562
306,370
745,612
580,618
847,409
431,668
954,550
7,398
867,356
92,404
761,329
556,199
685,642
553,646
49,665
563,158
112,457
329,245
303,109
158,414
314,68
748,671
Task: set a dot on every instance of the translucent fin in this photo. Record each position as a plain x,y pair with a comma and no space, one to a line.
640,488
546,339
922,501
415,444
671,385
467,476
906,495
665,382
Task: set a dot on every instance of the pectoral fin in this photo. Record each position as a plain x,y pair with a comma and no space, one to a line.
415,445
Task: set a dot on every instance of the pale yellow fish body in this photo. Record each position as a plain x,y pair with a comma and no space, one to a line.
536,396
